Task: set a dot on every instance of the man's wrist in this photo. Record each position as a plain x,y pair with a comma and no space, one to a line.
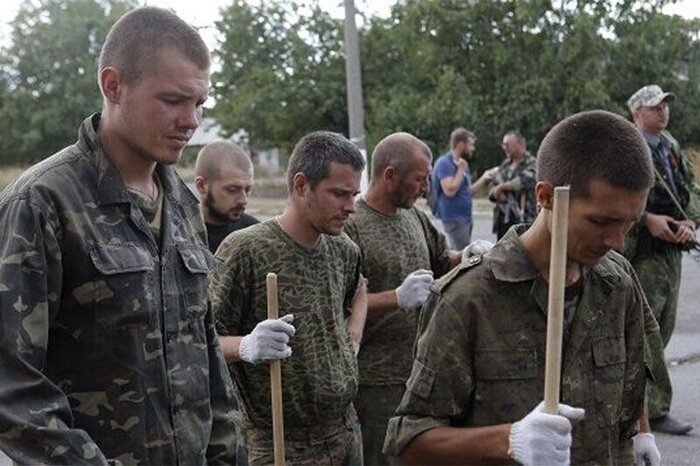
643,218
509,451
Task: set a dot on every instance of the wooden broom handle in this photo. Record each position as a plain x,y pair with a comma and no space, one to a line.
275,378
555,304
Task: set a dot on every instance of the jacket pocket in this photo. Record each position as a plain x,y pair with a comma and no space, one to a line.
505,364
198,262
116,295
609,357
506,384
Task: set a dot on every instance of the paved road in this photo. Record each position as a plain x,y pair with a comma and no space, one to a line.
683,356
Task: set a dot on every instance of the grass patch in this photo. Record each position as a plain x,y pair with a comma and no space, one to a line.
8,175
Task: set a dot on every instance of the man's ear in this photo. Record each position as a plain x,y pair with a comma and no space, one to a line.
299,184
390,173
545,194
201,184
112,84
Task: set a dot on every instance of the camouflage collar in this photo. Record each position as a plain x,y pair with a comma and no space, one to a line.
110,187
510,262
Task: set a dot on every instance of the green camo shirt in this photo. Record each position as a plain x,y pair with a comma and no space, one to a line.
392,247
480,360
319,380
108,344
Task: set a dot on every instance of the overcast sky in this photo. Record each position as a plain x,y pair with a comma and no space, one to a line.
203,13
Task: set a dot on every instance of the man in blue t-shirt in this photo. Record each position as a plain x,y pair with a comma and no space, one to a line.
452,180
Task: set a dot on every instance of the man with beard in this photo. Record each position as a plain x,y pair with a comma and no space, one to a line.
452,182
402,252
513,187
224,180
320,282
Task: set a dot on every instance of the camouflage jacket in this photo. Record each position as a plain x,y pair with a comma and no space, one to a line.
480,360
639,241
109,349
393,246
317,285
522,200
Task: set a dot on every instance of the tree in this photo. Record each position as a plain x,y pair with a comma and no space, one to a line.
282,72
494,66
48,75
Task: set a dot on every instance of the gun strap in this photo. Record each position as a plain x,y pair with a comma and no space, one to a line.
670,193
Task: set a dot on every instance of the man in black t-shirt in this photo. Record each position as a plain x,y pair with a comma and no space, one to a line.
224,180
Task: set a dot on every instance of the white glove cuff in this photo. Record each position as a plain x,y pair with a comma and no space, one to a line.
515,442
244,349
398,298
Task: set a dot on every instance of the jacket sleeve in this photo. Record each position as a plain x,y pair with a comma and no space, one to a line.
693,207
222,443
36,422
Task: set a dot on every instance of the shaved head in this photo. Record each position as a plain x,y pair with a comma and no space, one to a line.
397,150
212,156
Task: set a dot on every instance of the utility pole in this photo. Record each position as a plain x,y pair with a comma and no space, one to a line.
353,78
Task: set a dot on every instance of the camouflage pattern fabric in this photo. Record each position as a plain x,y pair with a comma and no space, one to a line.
108,342
658,264
648,96
319,380
481,358
335,443
653,342
392,246
522,203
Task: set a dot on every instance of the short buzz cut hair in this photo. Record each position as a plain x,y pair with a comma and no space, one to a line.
595,144
396,150
140,36
213,155
460,135
313,155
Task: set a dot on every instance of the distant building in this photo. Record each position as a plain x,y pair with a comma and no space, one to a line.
209,131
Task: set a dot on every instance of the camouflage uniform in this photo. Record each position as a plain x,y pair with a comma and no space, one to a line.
658,263
109,349
522,203
392,246
480,360
319,380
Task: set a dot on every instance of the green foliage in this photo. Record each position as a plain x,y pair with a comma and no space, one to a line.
282,72
493,66
48,75
488,65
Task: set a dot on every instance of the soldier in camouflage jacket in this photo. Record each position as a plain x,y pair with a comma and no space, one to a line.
108,343
513,187
655,243
478,373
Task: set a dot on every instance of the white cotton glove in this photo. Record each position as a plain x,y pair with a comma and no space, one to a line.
415,289
476,248
268,340
645,451
541,438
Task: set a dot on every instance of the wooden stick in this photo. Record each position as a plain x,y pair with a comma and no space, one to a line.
275,378
555,304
